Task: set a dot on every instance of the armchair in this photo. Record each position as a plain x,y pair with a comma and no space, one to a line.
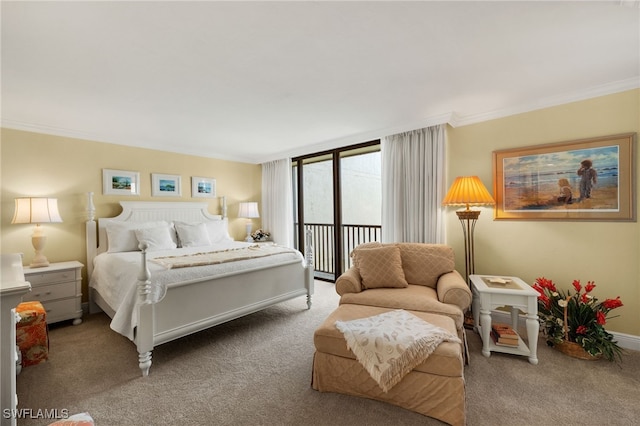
411,276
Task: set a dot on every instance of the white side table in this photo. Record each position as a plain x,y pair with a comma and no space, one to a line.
515,294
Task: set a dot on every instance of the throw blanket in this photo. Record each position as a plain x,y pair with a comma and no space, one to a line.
221,256
391,344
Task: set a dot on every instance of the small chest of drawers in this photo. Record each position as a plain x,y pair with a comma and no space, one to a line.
59,288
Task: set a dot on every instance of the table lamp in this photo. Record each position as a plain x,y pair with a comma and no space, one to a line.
249,211
37,210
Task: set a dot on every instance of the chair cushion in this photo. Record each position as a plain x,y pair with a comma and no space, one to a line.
414,298
380,267
423,264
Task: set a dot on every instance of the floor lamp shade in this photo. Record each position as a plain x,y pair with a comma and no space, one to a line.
468,191
37,211
248,210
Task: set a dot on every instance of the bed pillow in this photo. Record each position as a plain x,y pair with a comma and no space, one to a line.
380,267
121,235
158,238
218,231
192,235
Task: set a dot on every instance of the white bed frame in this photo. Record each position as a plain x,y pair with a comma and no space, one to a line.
192,306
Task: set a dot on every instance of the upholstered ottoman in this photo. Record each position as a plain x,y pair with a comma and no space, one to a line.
434,388
31,333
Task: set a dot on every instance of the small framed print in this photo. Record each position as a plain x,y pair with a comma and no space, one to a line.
166,185
202,187
120,182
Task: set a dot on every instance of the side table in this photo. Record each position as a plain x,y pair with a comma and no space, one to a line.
513,293
59,288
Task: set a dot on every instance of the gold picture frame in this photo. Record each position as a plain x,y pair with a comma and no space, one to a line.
551,182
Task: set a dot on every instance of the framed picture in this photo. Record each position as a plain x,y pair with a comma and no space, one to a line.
120,182
166,185
589,179
202,187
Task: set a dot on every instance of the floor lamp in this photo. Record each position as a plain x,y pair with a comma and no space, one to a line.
468,191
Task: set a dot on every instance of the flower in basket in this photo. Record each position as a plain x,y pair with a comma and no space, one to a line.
577,317
260,235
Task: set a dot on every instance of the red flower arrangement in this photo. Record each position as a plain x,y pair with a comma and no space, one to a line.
578,318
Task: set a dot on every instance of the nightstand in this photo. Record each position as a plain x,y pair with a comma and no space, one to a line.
59,288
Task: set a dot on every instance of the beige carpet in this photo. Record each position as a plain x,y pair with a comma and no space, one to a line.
257,371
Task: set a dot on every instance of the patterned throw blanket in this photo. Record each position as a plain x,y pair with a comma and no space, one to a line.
220,256
391,344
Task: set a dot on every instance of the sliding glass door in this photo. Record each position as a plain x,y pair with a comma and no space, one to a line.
337,197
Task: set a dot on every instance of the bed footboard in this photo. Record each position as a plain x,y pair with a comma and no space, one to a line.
166,314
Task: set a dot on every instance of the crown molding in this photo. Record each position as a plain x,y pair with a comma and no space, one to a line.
565,98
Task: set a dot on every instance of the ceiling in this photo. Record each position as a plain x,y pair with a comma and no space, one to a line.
259,81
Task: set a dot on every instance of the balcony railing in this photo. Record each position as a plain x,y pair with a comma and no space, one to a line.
324,242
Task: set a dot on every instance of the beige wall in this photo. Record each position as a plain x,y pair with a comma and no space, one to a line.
35,164
605,252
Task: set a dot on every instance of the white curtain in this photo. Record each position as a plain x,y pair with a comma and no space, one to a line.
277,201
413,186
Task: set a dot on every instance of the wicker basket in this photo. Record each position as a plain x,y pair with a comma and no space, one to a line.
573,349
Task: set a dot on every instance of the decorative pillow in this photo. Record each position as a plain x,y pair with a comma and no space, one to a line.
192,235
158,238
380,267
121,235
218,231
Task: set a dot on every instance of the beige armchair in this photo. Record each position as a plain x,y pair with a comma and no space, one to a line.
411,276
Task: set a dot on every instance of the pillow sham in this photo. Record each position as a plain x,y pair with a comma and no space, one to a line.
158,238
121,235
380,267
218,231
192,235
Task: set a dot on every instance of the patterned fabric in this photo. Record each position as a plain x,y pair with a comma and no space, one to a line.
31,333
391,344
423,264
380,267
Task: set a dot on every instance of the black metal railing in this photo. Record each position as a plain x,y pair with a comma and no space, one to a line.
323,240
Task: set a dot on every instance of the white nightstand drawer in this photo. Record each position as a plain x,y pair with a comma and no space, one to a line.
51,292
59,288
51,277
59,309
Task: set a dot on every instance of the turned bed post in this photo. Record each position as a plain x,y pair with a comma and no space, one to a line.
144,332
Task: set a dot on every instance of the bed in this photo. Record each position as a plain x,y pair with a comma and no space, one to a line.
156,291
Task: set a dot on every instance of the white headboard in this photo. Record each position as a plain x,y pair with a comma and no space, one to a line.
144,211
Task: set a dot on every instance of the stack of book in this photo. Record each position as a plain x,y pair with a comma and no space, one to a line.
504,335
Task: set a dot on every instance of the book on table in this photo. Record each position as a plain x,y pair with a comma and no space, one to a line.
503,334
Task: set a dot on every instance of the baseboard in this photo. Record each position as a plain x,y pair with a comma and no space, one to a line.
626,341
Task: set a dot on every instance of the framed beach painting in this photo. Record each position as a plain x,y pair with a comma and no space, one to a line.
120,182
166,185
202,187
589,179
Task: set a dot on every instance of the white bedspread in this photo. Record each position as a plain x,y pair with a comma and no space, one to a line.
115,276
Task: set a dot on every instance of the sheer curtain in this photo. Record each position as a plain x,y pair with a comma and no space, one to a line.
413,186
277,201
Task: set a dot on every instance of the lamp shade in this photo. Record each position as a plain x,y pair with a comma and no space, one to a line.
248,210
36,210
468,191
